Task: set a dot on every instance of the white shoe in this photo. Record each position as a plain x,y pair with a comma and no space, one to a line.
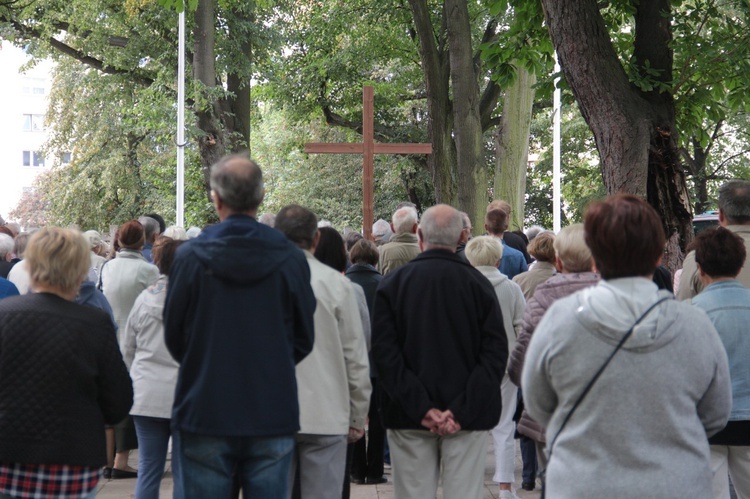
508,494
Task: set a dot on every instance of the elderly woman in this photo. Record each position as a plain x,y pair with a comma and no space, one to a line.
572,259
154,374
542,248
485,253
121,280
720,254
63,377
628,381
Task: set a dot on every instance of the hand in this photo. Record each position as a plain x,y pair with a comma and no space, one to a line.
449,426
433,419
354,435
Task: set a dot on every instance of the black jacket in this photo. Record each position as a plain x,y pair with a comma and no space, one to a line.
63,379
438,342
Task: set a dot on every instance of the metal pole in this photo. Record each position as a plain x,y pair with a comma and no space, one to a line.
180,209
556,154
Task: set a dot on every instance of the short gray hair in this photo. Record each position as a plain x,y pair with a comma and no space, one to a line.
150,227
441,226
534,231
238,182
6,245
484,251
734,201
404,219
571,249
381,231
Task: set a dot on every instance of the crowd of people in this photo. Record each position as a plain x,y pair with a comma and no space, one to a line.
283,359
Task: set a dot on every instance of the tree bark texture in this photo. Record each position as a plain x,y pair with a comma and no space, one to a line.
435,66
634,130
512,146
211,143
470,170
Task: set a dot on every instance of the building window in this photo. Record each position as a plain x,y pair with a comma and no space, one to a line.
65,158
33,122
33,158
33,86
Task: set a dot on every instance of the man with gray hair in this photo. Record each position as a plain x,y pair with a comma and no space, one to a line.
381,232
151,230
440,382
734,214
238,317
402,247
6,254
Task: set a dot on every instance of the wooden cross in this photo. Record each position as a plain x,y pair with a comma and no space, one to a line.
367,148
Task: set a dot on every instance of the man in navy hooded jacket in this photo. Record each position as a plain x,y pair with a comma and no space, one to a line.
238,317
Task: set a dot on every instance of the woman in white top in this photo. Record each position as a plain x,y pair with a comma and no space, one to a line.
122,280
154,375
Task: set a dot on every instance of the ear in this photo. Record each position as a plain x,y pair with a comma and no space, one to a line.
420,239
393,229
316,240
414,228
558,264
722,218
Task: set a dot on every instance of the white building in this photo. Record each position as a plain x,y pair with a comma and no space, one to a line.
23,100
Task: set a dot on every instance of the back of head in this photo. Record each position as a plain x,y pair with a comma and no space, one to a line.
570,247
404,219
484,251
238,182
351,238
364,252
6,246
441,227
14,228
94,238
131,235
159,219
542,247
534,231
734,201
298,224
175,232
330,249
625,236
20,243
150,227
58,258
719,252
499,204
267,219
381,231
193,232
163,253
496,221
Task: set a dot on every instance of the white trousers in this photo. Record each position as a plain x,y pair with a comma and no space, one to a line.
502,434
417,455
732,460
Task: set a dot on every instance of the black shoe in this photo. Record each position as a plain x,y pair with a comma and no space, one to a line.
119,474
376,481
357,481
528,485
106,473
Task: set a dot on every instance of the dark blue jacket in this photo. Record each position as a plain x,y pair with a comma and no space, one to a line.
238,317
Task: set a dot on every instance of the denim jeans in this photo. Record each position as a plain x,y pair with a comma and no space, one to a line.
207,463
153,442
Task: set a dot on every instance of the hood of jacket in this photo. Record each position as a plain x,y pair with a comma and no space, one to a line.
241,253
612,307
493,274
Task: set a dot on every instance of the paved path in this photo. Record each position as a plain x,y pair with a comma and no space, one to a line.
124,489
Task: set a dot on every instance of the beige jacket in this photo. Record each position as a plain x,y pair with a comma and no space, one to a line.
536,275
400,250
333,381
690,282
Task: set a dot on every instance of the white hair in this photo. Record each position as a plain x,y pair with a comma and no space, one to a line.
404,219
484,251
176,232
6,245
193,232
441,226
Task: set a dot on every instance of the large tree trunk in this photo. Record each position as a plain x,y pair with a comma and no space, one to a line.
211,143
634,130
436,68
512,145
470,171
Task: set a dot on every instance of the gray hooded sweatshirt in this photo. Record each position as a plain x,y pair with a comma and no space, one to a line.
642,429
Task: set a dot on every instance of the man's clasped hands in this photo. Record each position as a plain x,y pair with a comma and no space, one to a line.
440,422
